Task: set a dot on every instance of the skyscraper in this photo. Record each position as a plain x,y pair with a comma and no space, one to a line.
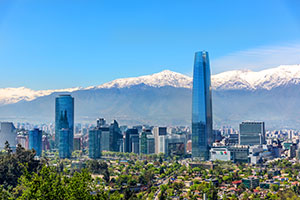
201,107
252,133
115,137
35,141
131,138
158,133
64,118
64,143
95,143
144,141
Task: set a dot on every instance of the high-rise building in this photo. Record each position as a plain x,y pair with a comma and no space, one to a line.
150,144
201,107
131,140
252,133
111,138
64,117
175,145
64,143
159,132
162,147
8,133
115,137
77,142
95,143
105,138
35,140
144,141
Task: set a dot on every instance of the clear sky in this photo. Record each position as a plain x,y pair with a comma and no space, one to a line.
52,44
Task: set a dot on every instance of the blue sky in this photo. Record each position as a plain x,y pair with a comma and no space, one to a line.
53,44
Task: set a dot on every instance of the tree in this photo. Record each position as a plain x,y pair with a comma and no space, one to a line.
163,193
7,147
12,165
97,167
52,185
275,187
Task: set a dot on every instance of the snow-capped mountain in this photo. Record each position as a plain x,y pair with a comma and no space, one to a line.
161,79
164,78
14,95
271,95
230,80
250,80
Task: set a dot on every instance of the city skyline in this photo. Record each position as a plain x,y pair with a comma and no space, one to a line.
224,127
42,38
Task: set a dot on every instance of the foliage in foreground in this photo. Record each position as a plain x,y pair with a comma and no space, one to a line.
12,165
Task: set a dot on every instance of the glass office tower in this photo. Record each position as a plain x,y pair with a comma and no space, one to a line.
35,141
64,117
252,133
201,107
64,143
95,143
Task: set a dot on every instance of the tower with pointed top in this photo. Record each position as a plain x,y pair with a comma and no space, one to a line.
201,107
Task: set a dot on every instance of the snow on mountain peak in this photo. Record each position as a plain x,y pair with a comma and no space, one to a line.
230,80
164,78
14,95
265,79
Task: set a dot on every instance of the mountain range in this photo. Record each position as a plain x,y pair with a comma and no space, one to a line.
164,98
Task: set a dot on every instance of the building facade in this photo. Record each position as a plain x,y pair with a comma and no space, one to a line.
150,144
95,143
8,133
201,107
105,137
35,140
116,138
64,117
64,143
23,141
131,140
220,153
144,141
252,133
159,133
175,145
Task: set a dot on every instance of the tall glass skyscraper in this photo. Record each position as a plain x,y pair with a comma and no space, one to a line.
64,117
35,140
64,143
95,143
201,107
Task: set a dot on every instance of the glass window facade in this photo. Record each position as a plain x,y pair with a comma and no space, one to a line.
130,133
64,142
150,144
95,143
252,133
201,107
104,138
35,141
64,117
